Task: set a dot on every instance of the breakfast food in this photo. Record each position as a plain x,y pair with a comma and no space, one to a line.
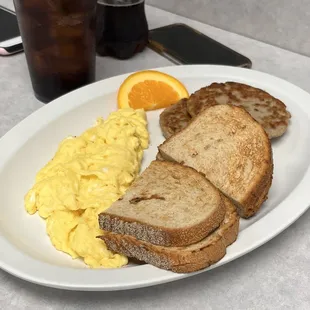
168,204
270,112
174,118
86,175
183,211
181,259
159,156
150,90
231,149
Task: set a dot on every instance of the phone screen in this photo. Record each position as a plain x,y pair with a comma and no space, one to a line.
8,26
188,46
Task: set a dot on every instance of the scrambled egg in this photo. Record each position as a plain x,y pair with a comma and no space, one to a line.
87,174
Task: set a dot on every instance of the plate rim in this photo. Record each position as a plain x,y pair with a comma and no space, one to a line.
147,274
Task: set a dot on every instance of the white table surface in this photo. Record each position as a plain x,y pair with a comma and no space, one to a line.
275,276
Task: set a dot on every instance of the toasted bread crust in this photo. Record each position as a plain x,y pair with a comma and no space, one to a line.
178,259
258,193
165,236
159,157
165,259
255,194
162,235
253,203
230,226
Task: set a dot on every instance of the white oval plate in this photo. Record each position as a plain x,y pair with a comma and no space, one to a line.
26,251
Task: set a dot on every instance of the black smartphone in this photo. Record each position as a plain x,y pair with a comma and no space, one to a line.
185,45
10,39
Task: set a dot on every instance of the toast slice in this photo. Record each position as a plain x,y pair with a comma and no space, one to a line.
181,259
231,149
168,204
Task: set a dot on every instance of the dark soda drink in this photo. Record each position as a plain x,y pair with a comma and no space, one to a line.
122,28
59,42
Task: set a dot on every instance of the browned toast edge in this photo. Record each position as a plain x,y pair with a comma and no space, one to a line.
251,204
178,261
161,235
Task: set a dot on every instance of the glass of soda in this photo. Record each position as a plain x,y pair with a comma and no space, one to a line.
60,44
122,28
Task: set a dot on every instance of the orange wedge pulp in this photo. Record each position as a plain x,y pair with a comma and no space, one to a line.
150,90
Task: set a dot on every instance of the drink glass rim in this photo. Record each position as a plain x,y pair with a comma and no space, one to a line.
134,2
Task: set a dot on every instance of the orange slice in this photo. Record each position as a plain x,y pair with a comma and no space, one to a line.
150,90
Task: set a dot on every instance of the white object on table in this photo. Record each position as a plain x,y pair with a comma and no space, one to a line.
273,277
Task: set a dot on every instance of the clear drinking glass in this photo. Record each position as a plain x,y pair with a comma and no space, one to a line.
59,42
122,28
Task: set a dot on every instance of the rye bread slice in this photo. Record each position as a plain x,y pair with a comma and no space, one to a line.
168,204
231,149
180,259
